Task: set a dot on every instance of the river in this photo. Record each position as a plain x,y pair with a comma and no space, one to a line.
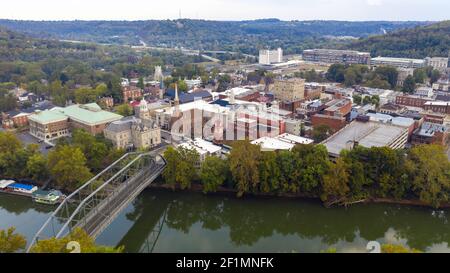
164,221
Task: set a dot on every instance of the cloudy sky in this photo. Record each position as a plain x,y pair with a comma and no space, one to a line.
355,10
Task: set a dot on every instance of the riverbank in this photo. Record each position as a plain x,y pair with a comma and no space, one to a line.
196,188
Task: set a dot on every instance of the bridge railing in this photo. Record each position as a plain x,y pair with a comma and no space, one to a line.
91,198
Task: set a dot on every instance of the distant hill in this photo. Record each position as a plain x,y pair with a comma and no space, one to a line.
419,42
244,36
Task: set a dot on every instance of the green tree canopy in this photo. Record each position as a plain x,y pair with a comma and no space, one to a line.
86,243
429,170
11,242
213,174
244,166
67,167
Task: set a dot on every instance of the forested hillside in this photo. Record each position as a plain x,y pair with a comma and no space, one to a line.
244,36
419,42
55,68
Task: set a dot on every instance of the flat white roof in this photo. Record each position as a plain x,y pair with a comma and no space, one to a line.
206,145
201,146
367,134
400,121
272,144
399,60
293,139
197,104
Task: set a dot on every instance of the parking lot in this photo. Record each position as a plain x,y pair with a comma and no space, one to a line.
26,138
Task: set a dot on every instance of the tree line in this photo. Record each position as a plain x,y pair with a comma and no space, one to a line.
67,166
420,173
383,77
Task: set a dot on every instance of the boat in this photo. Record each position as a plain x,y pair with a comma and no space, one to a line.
52,197
12,187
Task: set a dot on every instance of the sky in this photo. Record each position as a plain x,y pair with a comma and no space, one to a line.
352,10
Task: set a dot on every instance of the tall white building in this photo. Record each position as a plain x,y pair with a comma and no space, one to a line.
158,74
438,63
267,57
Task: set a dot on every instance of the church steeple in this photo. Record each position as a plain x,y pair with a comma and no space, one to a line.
177,102
176,99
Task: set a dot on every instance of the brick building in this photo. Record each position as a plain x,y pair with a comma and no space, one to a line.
412,101
131,93
438,107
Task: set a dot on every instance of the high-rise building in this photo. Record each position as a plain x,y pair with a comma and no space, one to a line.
268,57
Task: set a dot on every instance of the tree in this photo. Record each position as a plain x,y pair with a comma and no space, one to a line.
397,249
187,167
181,166
335,182
124,110
375,100
336,73
10,242
85,95
377,82
357,99
9,143
367,100
420,74
429,170
92,147
140,83
67,166
78,235
244,161
350,77
435,76
213,174
270,172
321,132
312,163
13,156
289,173
387,73
182,86
170,171
224,81
409,85
37,167
7,102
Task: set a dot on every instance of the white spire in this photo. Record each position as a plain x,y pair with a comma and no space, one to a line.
143,106
232,101
177,99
